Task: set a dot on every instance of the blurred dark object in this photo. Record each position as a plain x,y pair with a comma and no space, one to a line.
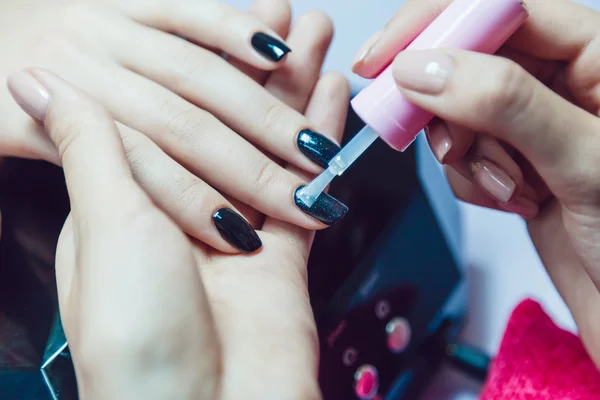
34,206
386,282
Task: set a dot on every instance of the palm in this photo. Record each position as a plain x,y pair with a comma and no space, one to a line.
262,313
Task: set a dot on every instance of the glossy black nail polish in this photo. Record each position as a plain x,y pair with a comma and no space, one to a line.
326,209
236,230
269,47
317,147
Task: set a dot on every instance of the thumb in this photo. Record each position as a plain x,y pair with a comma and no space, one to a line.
495,96
85,135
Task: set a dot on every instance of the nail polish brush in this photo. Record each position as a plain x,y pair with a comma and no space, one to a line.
475,25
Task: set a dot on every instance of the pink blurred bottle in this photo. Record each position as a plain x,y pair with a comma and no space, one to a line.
475,25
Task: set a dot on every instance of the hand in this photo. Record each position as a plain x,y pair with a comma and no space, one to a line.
150,313
520,132
185,114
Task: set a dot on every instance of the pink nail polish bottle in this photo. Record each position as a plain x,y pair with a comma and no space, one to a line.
475,25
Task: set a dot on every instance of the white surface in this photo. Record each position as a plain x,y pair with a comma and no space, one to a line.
504,267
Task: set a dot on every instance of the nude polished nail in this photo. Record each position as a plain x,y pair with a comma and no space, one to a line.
425,72
493,180
29,94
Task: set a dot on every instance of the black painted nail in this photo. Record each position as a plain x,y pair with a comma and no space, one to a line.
326,209
317,147
269,47
236,230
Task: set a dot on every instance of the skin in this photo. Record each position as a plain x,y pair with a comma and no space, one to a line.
118,306
534,109
243,320
184,112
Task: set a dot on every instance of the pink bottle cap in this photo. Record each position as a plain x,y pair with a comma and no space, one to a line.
475,25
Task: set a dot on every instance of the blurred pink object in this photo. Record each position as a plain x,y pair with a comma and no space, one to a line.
538,360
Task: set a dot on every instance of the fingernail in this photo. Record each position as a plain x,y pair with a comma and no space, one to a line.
326,209
423,71
269,47
366,49
29,94
439,140
236,230
523,207
317,147
493,180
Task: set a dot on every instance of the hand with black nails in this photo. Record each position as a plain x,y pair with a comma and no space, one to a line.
151,313
518,132
194,124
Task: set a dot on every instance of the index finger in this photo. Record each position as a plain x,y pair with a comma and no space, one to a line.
555,29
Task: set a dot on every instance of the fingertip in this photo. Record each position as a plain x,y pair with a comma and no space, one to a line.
364,62
271,49
440,141
276,14
29,93
323,28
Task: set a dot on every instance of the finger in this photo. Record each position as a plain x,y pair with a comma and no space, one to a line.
553,74
568,275
449,143
556,29
202,144
489,166
496,96
115,225
86,137
328,108
213,23
539,36
294,82
481,160
196,207
467,191
277,14
408,22
211,83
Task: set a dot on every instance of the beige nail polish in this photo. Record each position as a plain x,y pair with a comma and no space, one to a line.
29,94
493,180
366,49
423,71
439,140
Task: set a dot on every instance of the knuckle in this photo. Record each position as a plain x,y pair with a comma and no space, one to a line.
191,199
266,178
82,18
134,152
193,64
66,128
273,117
187,126
508,93
57,45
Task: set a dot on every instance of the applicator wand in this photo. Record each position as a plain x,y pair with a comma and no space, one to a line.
475,25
